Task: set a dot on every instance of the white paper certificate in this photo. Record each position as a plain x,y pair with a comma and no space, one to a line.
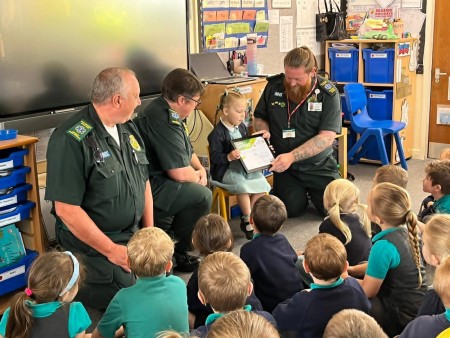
255,153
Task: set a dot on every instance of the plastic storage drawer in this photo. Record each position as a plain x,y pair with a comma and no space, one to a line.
14,195
379,104
344,64
12,158
13,178
13,277
15,213
379,65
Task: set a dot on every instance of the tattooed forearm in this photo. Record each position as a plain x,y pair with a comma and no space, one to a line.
313,146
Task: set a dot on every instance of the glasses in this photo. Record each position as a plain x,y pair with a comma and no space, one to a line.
92,143
197,102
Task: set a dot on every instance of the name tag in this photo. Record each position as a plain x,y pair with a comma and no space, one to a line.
315,106
288,133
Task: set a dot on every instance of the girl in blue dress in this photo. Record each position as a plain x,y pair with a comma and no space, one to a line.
226,169
45,308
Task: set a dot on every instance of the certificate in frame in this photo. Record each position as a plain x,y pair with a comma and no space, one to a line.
255,152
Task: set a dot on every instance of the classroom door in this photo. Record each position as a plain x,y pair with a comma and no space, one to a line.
439,134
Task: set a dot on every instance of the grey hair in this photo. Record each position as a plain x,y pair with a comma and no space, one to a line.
108,83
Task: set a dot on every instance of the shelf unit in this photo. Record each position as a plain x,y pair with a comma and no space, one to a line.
32,229
403,86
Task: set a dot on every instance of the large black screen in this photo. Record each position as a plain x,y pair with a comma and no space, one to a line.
51,50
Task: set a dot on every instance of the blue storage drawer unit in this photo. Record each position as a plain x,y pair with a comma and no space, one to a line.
12,195
16,213
379,104
13,277
344,64
379,65
13,178
12,158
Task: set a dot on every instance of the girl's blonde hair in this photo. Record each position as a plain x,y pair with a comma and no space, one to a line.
226,99
242,324
48,276
437,232
392,204
342,196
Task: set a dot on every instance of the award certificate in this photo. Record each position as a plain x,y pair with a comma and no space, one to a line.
255,152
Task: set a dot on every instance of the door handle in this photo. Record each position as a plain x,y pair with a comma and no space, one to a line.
438,74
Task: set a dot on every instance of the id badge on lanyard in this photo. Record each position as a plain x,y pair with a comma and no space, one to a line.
290,132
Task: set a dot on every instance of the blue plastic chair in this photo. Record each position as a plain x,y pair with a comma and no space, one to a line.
362,124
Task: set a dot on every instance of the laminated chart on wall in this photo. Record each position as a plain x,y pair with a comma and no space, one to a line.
226,23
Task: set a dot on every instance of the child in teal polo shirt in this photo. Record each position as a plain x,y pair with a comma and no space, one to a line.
437,183
156,302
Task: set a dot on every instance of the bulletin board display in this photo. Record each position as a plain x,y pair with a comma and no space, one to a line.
225,24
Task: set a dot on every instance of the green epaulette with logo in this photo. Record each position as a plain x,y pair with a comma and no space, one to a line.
79,130
327,86
174,118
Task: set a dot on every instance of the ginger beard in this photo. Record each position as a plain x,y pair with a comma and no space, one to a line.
297,93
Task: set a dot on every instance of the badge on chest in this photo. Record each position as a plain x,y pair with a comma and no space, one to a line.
288,133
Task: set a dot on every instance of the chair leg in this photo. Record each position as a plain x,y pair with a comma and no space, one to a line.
223,206
382,147
401,153
354,154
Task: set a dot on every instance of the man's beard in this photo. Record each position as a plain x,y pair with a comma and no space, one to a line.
296,93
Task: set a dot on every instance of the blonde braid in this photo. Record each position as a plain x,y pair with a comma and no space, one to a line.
413,232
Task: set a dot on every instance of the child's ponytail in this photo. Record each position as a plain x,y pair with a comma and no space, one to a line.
20,318
335,216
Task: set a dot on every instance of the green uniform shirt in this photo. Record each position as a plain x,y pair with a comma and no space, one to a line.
166,138
86,167
321,110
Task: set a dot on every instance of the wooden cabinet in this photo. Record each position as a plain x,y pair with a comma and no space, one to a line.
31,229
252,90
402,85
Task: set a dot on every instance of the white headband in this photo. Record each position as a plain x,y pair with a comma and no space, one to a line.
75,274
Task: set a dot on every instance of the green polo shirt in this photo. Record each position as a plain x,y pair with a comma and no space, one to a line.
152,305
383,255
87,168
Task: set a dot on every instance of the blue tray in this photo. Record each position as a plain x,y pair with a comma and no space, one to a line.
8,134
16,213
13,277
13,178
14,195
12,158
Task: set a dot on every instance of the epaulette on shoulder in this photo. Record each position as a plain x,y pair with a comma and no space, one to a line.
275,77
327,86
79,130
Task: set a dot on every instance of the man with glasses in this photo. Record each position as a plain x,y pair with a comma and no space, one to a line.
302,111
177,177
97,179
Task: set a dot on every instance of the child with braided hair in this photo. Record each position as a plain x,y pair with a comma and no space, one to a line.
226,169
395,276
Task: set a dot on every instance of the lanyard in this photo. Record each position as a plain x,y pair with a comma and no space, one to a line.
298,106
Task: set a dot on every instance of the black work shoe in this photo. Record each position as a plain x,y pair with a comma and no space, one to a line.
248,233
185,262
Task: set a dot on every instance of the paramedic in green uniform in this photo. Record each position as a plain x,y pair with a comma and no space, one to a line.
302,111
177,177
98,182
